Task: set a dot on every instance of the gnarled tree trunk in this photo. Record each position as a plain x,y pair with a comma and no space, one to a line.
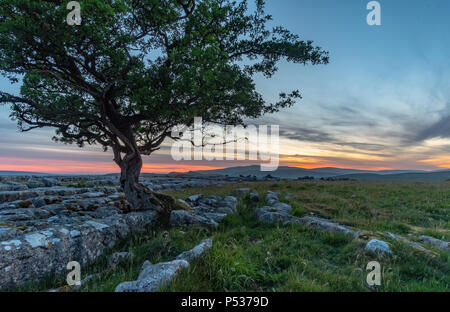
139,196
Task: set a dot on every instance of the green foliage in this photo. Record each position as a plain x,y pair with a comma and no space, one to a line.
134,69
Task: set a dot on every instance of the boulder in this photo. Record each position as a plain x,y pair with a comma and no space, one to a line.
230,201
272,215
379,247
209,201
272,198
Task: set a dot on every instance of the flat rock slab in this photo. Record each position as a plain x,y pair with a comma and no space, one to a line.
35,255
206,211
437,243
155,276
280,213
9,196
197,251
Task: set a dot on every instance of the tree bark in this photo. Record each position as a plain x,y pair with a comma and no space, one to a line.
140,197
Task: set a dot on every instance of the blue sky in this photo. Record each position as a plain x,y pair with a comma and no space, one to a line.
382,102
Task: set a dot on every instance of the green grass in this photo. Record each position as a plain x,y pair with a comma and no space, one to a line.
80,184
251,256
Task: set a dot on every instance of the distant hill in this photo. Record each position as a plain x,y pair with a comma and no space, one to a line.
436,176
21,173
294,173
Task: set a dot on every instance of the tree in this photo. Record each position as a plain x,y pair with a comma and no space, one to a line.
136,68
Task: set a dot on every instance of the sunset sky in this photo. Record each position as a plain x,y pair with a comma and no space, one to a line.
383,102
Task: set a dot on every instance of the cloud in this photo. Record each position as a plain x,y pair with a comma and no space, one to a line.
440,129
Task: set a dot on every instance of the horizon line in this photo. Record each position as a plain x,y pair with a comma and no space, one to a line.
193,171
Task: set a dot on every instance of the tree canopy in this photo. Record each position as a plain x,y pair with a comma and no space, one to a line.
134,69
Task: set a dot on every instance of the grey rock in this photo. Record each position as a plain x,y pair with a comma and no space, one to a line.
37,254
7,233
92,194
216,217
283,207
325,225
35,184
437,243
182,218
194,198
38,202
153,277
225,210
12,186
393,236
49,182
272,196
197,252
22,214
272,214
209,201
378,247
9,196
230,201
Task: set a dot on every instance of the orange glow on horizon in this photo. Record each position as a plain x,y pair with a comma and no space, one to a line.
74,166
102,167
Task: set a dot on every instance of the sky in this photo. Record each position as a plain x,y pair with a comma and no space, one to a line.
383,101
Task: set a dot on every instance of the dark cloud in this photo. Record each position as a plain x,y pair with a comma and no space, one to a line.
305,134
441,129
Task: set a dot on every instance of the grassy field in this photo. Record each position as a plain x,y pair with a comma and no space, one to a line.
251,256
